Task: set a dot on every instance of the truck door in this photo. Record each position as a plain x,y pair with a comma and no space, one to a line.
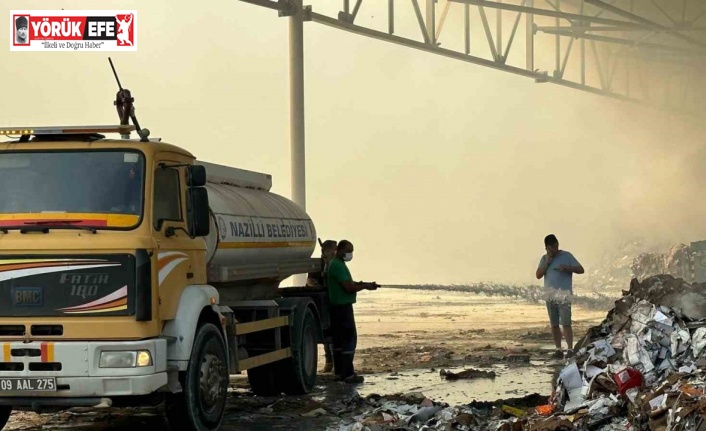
178,255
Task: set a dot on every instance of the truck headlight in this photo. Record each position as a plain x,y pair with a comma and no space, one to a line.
144,359
140,358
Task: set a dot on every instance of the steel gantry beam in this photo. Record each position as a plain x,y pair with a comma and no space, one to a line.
652,46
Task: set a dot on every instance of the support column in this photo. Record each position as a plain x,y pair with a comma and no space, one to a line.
529,61
431,21
296,104
296,111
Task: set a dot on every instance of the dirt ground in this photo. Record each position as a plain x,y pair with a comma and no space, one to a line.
401,329
405,338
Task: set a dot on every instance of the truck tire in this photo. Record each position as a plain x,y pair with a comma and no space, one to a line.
5,412
298,373
264,380
201,404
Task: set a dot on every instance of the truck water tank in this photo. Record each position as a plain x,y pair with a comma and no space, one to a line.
250,224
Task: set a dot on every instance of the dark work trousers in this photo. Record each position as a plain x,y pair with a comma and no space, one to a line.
345,339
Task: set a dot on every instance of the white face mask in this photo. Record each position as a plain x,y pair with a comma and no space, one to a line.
348,257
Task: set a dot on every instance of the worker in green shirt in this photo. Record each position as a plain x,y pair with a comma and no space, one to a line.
342,295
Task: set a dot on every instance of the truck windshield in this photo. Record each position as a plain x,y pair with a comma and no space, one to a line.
71,188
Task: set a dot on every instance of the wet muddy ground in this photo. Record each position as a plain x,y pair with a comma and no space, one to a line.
247,412
405,339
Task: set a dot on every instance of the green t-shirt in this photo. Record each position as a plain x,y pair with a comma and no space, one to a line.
338,272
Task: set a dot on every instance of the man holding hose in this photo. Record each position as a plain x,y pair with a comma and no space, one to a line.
342,295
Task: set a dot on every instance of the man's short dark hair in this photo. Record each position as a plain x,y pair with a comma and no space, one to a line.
550,240
343,245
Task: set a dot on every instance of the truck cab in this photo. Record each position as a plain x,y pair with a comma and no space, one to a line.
120,282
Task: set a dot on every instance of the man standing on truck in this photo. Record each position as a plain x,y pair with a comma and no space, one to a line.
122,192
342,295
318,279
133,191
557,267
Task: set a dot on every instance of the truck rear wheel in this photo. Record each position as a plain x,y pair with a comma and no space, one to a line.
298,373
201,404
5,412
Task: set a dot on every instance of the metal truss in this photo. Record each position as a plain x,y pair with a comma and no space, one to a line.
644,51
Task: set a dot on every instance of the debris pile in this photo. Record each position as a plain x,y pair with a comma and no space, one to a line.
643,366
641,369
676,262
611,271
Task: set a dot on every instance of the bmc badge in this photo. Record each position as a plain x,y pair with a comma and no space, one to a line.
73,30
27,296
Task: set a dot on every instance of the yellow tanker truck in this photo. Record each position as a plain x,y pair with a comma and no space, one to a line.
131,273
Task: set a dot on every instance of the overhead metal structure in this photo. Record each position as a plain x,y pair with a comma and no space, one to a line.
644,51
648,51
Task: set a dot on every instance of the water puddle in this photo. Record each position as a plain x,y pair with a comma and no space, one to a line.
510,382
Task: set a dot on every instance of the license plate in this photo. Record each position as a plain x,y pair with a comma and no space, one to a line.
22,384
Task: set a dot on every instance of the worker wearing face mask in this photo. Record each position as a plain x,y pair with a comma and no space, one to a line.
342,295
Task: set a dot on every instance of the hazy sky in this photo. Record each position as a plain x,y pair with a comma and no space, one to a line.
437,170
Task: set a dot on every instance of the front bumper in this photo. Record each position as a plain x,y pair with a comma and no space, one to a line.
75,365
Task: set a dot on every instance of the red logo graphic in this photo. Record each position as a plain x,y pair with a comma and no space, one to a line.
125,29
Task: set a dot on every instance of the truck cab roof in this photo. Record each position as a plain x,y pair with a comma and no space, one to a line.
73,137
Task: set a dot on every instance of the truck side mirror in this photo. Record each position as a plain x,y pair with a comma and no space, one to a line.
196,176
199,213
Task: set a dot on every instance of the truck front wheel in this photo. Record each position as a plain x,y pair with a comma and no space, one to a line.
201,404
